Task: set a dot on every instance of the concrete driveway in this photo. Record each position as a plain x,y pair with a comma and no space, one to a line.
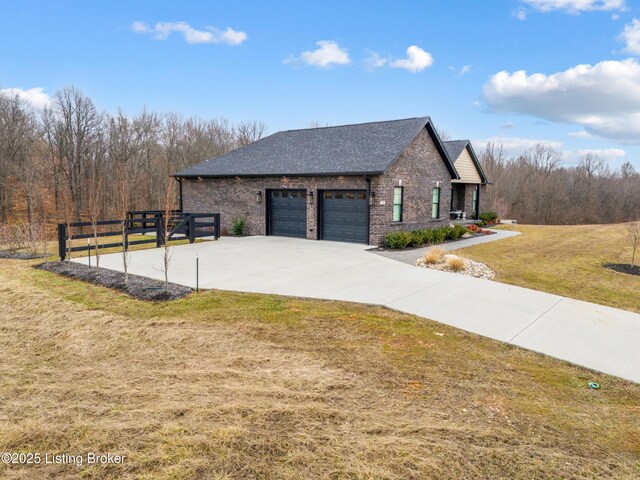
594,336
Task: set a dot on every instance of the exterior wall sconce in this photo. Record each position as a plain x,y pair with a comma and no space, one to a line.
259,196
310,197
372,198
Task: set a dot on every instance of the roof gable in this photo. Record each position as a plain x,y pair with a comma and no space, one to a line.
456,148
367,148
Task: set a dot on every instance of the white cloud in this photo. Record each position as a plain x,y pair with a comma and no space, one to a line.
580,134
507,125
162,31
140,27
520,13
417,60
461,71
608,154
514,146
631,37
603,98
374,60
574,7
33,96
327,54
615,16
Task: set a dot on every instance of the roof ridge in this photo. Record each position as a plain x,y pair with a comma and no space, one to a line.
426,117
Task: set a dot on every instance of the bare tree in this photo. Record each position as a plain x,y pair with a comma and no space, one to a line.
123,199
67,211
94,209
633,237
168,207
248,132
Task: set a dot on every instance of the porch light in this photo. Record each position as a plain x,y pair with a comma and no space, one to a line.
259,196
310,197
372,198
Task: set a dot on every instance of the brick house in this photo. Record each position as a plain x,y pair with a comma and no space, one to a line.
349,183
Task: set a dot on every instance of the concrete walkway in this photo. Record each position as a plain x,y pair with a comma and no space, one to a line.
597,337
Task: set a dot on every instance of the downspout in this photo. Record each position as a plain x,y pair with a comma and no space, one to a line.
368,180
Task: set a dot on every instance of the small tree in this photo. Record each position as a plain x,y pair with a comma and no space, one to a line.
633,237
67,210
123,198
168,206
94,207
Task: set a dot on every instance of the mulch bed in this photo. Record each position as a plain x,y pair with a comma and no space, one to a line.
19,255
141,288
623,268
473,235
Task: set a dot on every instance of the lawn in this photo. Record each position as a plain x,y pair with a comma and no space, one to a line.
229,385
565,260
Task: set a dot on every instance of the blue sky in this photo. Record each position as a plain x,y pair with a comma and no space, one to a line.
245,60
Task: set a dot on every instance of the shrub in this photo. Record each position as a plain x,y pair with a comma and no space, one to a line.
422,237
458,231
435,255
239,225
455,263
397,240
488,217
449,233
440,235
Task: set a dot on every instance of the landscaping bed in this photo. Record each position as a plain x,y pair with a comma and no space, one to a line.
142,288
410,239
623,268
6,255
437,260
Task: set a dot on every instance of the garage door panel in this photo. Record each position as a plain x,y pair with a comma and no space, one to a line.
288,213
344,216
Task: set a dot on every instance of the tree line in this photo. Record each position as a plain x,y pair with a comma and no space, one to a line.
536,187
72,161
71,156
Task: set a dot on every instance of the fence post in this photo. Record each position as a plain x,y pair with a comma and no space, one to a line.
192,229
62,241
216,231
159,234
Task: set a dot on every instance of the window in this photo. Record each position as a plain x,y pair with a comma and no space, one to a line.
435,203
362,196
328,195
338,196
350,195
293,194
474,206
397,204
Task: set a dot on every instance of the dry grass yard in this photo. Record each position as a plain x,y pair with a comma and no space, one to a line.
565,260
223,385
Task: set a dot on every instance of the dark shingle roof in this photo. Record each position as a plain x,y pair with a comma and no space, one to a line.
454,149
367,148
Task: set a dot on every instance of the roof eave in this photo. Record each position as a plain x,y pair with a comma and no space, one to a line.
280,175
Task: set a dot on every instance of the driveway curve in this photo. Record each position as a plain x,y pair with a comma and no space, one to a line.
594,336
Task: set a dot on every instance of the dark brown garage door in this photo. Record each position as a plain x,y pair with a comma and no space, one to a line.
344,215
288,213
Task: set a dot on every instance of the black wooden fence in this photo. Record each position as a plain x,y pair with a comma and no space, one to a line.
179,226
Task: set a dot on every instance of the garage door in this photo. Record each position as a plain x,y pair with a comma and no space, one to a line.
344,215
288,213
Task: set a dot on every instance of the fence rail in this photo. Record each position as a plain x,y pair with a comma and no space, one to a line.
179,225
